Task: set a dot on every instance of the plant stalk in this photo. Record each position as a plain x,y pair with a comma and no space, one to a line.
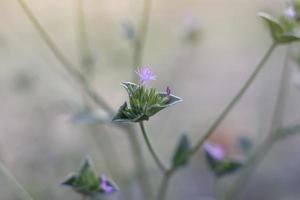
276,123
235,100
159,163
22,192
163,187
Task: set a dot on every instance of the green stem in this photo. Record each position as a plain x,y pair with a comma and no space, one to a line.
236,99
83,42
139,160
151,149
271,138
139,44
226,110
62,59
163,187
23,194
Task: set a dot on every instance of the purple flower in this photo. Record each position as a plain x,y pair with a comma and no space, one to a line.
214,150
290,13
145,74
168,92
105,185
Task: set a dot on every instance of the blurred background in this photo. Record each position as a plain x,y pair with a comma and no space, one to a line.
203,49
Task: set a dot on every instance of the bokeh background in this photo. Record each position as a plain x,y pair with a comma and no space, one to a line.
44,130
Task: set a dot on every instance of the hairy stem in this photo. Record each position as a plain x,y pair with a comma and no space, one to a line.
159,163
22,192
276,123
235,100
139,43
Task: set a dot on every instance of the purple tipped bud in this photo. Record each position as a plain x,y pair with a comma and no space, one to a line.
168,92
214,150
290,13
105,185
145,74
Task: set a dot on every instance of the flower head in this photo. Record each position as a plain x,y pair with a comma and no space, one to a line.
290,12
145,74
214,150
105,185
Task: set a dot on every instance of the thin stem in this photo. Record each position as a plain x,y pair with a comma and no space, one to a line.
23,194
62,59
235,100
163,187
276,123
83,42
154,155
139,44
139,160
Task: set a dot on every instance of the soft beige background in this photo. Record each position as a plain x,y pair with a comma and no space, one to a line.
40,144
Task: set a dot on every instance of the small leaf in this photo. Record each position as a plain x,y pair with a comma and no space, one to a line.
181,155
222,167
70,181
86,181
288,131
274,25
130,87
283,30
129,30
245,144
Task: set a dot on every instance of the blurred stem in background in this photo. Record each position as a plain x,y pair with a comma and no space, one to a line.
163,187
140,39
85,54
225,112
271,138
21,191
103,141
83,82
235,99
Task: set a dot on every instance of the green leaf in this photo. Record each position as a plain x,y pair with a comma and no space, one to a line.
70,181
172,100
222,167
130,87
283,30
181,154
245,145
288,131
274,25
86,181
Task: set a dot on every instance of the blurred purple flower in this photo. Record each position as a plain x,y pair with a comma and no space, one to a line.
214,150
145,74
168,91
290,13
105,185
